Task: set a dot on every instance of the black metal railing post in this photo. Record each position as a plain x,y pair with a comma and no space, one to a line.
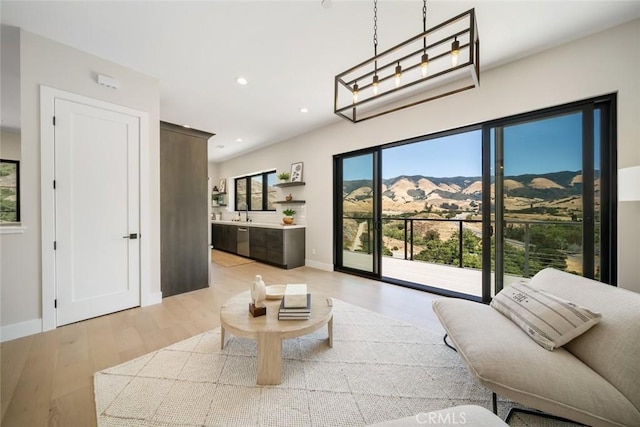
411,225
460,243
405,238
527,240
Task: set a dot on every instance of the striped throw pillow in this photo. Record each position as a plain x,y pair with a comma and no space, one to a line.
550,320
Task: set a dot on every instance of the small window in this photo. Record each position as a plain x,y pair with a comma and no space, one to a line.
9,191
256,192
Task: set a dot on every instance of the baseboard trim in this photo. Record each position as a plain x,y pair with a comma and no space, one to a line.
151,298
19,330
318,265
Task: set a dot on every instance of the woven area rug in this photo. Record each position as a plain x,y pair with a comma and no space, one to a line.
378,369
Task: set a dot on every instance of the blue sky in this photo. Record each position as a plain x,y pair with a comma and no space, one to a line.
455,155
538,147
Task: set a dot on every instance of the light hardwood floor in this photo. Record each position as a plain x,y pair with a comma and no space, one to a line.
47,378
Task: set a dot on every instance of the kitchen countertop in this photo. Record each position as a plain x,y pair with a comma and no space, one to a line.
257,224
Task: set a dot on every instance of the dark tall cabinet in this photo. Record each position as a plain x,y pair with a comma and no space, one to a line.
184,220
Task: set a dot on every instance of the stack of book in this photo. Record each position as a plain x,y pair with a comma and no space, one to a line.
298,304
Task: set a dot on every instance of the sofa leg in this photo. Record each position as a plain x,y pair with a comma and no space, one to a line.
514,410
447,344
494,401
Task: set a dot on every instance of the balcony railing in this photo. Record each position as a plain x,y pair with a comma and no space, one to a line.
529,245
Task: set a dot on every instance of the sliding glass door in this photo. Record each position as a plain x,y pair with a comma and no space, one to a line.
357,205
547,194
467,212
432,213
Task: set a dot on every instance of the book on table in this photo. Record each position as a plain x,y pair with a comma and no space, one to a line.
295,313
294,316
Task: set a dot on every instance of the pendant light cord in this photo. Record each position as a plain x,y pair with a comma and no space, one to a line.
424,23
375,33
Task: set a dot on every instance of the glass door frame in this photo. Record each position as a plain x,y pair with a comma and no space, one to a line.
375,241
608,184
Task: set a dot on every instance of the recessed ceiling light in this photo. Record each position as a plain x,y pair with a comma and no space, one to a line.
304,110
242,81
186,126
238,139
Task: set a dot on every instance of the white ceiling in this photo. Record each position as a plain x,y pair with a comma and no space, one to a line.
289,51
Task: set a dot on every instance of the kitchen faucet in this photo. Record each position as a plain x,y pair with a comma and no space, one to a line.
246,211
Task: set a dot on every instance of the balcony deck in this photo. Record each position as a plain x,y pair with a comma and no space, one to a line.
463,280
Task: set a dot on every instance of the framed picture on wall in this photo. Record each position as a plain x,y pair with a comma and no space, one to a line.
222,186
296,172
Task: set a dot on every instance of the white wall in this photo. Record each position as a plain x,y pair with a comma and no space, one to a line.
601,64
45,62
10,144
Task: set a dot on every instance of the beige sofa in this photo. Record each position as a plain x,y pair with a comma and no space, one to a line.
594,379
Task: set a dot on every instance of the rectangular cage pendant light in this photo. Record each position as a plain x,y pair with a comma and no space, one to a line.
441,61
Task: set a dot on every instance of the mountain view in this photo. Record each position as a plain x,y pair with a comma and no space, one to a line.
555,195
437,207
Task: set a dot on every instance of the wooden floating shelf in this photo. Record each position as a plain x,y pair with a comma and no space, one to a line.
289,184
298,202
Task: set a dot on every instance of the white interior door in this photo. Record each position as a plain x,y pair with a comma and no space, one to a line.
97,202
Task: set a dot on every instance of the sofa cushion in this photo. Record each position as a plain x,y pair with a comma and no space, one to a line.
509,363
549,320
611,347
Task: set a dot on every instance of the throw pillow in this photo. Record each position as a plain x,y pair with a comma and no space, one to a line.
550,320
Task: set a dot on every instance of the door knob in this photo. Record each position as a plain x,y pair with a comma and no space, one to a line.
131,236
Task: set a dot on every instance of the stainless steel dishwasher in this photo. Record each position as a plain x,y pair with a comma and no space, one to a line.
243,241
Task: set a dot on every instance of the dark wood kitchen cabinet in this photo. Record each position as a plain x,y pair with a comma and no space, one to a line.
224,237
282,247
258,243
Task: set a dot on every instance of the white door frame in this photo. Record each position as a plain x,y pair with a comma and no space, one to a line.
47,196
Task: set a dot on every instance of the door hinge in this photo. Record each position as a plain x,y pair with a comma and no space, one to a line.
54,184
55,303
54,120
55,246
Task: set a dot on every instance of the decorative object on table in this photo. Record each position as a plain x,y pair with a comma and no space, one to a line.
296,172
215,188
284,176
222,186
288,216
258,295
295,296
295,313
275,291
289,198
440,61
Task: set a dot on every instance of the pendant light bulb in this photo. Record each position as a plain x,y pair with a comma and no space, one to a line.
355,93
455,50
424,64
398,74
374,85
